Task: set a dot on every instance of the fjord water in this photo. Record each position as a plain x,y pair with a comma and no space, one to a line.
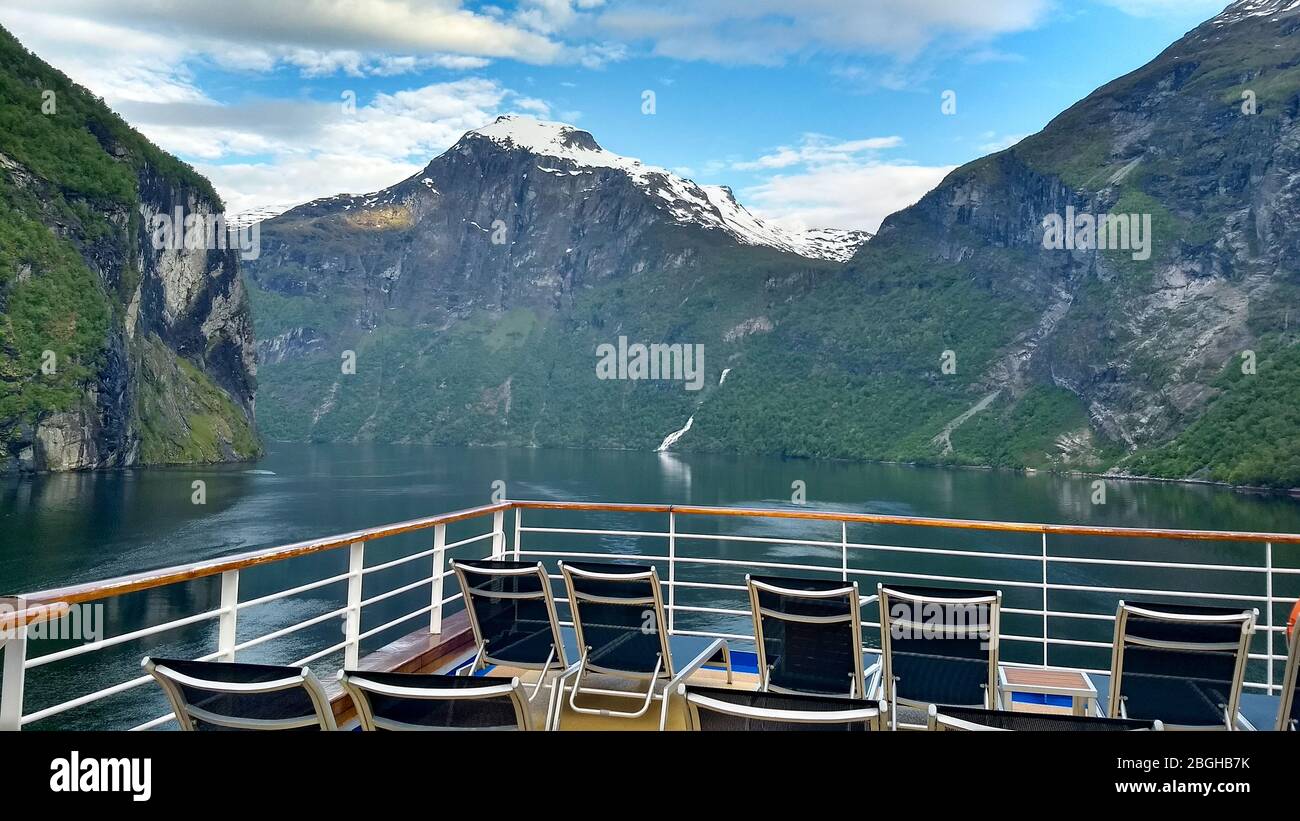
75,527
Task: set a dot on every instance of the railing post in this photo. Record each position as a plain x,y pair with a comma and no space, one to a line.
499,534
519,515
1044,598
14,644
439,567
352,618
227,624
672,570
844,551
1268,603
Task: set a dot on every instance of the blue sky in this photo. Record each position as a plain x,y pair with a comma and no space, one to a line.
819,113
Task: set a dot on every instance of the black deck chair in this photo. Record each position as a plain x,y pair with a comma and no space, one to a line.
618,615
419,701
513,617
222,695
1182,664
971,718
809,635
939,645
716,708
1288,716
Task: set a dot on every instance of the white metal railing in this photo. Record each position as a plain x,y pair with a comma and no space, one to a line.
854,560
14,641
1265,599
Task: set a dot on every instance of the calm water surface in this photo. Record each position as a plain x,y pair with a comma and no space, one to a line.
67,528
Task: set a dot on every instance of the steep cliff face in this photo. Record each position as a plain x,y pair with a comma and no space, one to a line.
115,349
1201,146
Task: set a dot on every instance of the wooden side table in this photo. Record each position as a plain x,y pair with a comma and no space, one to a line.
1047,681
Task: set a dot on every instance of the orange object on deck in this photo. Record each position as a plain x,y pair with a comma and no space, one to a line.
1290,623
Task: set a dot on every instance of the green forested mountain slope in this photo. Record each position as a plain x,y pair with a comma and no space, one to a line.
102,362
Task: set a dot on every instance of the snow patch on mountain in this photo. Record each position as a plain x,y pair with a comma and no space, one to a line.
711,206
255,215
1245,9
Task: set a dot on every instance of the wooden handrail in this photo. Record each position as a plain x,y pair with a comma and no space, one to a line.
92,591
923,521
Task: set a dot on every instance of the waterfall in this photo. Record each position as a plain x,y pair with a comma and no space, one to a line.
671,439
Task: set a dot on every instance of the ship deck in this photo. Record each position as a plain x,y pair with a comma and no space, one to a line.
401,610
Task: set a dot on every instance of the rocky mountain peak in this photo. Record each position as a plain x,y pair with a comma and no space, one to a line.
538,136
1246,9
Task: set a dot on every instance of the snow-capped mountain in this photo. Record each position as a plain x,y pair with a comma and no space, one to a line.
1246,9
711,206
252,216
564,152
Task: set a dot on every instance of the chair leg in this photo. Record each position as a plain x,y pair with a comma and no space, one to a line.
542,677
645,707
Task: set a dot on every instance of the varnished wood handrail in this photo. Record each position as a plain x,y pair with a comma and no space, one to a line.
923,521
92,591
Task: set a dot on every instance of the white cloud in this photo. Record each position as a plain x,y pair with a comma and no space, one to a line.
116,63
817,149
769,31
827,182
277,151
995,143
419,27
842,196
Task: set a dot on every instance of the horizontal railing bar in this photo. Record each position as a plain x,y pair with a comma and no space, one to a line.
149,725
975,524
576,554
943,551
122,639
1151,591
91,591
342,577
320,654
293,628
81,701
426,553
720,537
396,591
1230,568
381,628
98,695
711,586
737,636
722,611
592,532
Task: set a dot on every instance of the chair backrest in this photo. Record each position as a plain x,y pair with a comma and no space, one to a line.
712,708
220,695
1288,717
618,614
809,634
939,645
512,612
418,701
970,718
1183,664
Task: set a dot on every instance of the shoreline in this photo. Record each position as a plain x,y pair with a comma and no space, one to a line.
1262,490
